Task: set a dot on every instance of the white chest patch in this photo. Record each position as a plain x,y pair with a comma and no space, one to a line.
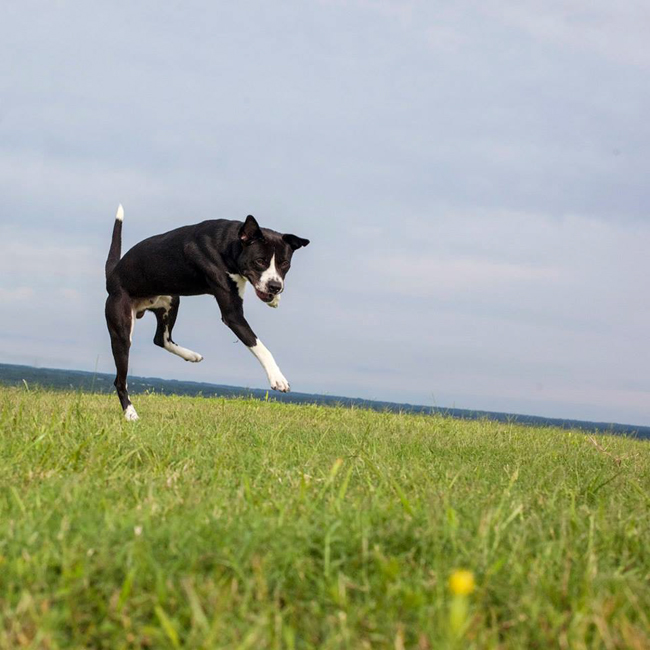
240,281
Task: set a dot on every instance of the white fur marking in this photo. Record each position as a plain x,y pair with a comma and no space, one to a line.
182,352
130,413
277,380
240,281
270,274
154,302
120,213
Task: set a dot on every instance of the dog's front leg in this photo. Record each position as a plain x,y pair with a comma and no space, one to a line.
277,380
232,314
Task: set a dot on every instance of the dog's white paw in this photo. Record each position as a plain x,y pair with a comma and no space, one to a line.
183,353
130,414
279,382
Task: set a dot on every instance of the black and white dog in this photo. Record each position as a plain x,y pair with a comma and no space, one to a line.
213,257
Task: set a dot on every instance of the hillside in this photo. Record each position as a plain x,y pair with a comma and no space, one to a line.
239,523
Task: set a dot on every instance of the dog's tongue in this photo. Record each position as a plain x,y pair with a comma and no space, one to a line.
264,297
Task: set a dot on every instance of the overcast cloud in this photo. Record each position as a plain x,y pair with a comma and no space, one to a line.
473,178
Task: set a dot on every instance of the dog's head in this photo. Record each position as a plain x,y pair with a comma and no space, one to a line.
265,259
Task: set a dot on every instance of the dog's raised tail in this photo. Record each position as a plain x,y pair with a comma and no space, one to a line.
115,251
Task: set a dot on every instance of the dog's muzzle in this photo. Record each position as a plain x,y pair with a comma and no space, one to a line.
264,296
273,291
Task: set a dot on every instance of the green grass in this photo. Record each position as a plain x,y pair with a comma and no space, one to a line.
217,523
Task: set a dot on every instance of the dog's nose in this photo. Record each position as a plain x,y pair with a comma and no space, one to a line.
273,287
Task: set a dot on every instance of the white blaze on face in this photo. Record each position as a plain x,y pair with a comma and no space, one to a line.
270,274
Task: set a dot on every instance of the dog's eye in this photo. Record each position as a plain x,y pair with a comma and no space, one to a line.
285,265
261,263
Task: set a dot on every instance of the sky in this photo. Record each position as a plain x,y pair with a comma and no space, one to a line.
473,177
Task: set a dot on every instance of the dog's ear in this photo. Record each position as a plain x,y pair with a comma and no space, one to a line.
250,230
295,242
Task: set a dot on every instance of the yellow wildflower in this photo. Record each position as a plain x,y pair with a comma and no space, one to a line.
461,582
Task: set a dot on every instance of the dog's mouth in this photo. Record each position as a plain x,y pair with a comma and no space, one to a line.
264,297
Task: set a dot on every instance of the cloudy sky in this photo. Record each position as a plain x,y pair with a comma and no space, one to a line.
473,177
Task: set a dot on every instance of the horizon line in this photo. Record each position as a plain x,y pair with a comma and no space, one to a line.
614,428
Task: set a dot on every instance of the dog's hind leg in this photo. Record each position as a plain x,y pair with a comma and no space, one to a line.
166,317
120,321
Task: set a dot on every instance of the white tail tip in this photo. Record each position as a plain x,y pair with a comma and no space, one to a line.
120,213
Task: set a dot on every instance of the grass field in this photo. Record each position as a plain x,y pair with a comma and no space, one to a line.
217,523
